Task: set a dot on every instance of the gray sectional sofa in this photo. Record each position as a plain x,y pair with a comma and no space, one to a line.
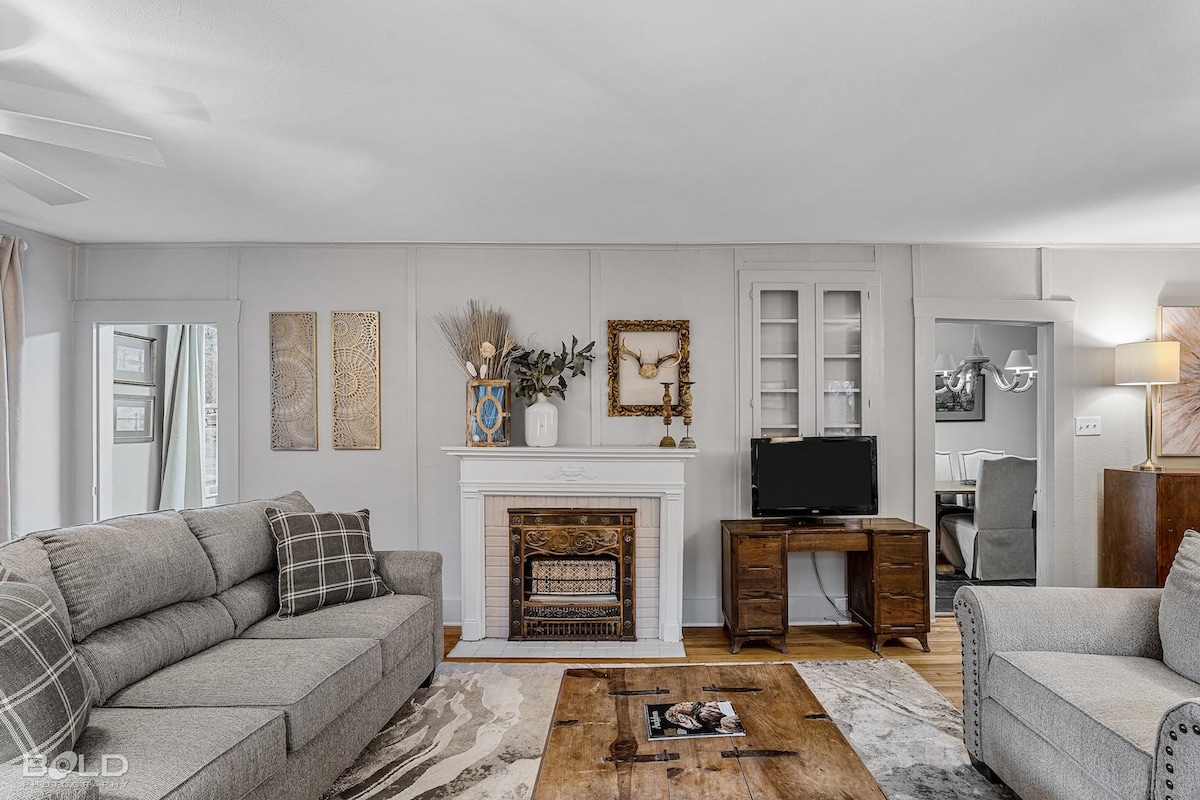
204,692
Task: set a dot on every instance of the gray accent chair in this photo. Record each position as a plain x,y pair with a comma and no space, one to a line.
200,687
1066,694
997,541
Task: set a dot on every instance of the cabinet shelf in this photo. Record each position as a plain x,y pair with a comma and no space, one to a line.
779,355
843,321
780,391
842,391
831,356
780,321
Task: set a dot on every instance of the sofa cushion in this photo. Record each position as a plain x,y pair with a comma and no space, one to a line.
401,623
27,557
251,600
1179,611
131,649
185,753
237,538
1101,711
324,559
125,567
46,699
311,681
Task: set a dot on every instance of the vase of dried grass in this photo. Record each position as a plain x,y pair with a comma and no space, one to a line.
487,413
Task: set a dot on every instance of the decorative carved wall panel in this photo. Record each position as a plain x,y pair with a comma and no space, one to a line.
293,341
356,424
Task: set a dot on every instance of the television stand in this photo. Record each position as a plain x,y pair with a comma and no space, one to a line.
887,575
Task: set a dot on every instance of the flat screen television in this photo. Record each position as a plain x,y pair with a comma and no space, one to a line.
814,476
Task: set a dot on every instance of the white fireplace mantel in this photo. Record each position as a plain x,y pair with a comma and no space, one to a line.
573,471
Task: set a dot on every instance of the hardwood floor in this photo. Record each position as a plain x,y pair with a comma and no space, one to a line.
942,667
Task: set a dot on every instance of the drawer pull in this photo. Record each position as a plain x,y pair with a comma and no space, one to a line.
901,565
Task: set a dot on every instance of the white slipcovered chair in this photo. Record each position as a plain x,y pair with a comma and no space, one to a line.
996,542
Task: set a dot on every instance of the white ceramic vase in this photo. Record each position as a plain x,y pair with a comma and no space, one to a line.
541,423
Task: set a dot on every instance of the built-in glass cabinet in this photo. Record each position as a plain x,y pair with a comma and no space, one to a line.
813,353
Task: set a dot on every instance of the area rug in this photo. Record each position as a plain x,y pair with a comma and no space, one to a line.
477,734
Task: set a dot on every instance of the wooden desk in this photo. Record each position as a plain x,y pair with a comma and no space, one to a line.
953,487
887,575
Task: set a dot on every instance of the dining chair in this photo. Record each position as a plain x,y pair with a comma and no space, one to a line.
969,460
943,470
997,541
968,468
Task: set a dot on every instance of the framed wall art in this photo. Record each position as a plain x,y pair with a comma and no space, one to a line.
643,354
1179,428
133,418
293,343
134,359
355,380
952,406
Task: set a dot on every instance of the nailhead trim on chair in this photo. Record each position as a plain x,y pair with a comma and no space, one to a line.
971,700
1168,766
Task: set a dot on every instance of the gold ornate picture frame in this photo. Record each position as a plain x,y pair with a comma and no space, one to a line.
635,376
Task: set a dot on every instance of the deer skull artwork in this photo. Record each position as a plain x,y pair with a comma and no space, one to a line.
648,368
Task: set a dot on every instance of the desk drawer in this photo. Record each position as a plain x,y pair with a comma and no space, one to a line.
756,581
759,551
901,548
901,609
760,616
902,579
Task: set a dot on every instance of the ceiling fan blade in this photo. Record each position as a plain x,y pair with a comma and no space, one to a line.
38,184
102,141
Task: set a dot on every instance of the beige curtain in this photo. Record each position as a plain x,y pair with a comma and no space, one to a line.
12,337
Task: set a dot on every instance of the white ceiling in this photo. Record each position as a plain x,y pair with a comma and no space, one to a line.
620,121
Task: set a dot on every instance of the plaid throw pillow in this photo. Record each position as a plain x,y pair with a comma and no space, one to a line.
324,559
44,699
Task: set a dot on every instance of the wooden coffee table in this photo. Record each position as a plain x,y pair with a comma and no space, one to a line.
597,746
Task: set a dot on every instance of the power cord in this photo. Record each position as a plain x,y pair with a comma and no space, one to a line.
842,615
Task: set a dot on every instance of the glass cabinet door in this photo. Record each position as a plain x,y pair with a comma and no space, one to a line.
839,363
780,343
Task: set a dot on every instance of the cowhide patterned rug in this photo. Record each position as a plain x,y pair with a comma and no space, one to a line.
478,732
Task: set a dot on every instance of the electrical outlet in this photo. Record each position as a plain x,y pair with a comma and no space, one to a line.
1087,426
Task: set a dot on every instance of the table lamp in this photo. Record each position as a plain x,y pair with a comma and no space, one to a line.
1149,364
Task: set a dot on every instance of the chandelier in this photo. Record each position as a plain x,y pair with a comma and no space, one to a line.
963,378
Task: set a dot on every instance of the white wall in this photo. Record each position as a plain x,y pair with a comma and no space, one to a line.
557,292
44,481
552,293
1010,420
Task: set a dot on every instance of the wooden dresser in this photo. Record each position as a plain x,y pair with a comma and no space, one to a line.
1145,515
887,575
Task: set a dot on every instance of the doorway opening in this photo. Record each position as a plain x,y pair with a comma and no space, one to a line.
157,417
996,544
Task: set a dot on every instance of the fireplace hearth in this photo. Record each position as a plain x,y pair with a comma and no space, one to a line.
571,574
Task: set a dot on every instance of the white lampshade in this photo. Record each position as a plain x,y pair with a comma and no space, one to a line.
1146,363
944,364
1018,362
